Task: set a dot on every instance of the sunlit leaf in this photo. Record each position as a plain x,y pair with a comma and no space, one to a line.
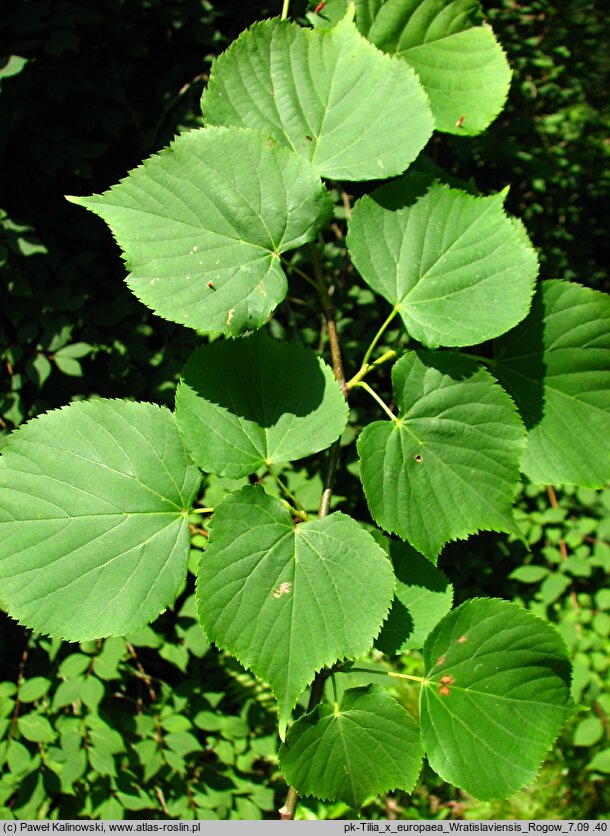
367,746
449,465
497,696
456,268
353,112
285,600
202,225
454,52
93,502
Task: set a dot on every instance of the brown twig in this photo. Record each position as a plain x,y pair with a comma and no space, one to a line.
143,675
15,717
563,551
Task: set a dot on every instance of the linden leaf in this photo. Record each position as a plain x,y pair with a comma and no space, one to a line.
93,501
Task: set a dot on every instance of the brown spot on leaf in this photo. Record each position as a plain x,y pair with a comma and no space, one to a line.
444,691
230,316
261,288
419,458
461,640
441,660
447,680
283,589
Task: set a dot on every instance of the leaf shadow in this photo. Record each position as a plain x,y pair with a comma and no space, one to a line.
519,363
257,378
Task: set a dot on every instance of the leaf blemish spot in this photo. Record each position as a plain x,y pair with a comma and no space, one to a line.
230,316
447,680
461,640
283,589
419,458
444,691
441,660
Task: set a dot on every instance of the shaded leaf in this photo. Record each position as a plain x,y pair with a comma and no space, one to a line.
497,695
556,365
93,501
457,269
202,225
367,746
461,66
252,402
328,94
449,465
423,596
289,601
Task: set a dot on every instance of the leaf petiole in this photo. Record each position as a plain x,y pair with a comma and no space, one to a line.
298,509
377,337
201,510
285,7
381,403
292,267
420,679
355,380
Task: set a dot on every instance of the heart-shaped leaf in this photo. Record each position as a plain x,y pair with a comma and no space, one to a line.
243,404
448,466
456,268
556,365
93,509
353,112
202,225
497,695
367,746
454,52
285,600
423,596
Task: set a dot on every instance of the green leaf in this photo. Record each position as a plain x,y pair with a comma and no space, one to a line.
457,269
33,689
448,466
252,402
367,746
76,351
333,98
588,732
18,757
423,596
529,574
462,67
36,728
496,697
202,225
600,761
93,502
68,366
289,601
556,365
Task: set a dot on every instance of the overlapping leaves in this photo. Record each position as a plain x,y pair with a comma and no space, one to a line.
288,601
449,464
455,267
246,403
497,695
202,225
367,746
95,537
556,365
459,62
353,112
423,596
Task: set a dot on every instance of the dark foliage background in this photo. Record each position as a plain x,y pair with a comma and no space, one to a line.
158,724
